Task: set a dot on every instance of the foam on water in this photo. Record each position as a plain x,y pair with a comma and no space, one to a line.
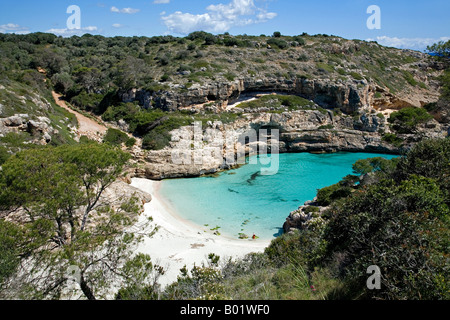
244,201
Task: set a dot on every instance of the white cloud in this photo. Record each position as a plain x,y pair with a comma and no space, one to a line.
13,28
117,25
161,1
71,32
408,43
125,10
218,18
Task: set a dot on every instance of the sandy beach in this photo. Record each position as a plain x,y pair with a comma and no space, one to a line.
178,242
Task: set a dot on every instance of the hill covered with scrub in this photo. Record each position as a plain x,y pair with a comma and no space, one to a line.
135,82
58,190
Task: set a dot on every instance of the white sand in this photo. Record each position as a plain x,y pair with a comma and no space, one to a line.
179,242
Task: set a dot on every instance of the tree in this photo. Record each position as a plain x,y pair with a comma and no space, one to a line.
399,228
276,34
406,120
57,198
399,224
62,82
365,166
52,60
441,49
88,78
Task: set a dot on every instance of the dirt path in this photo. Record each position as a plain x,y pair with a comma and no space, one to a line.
87,127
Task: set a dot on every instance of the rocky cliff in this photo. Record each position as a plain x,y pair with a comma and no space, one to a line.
299,131
348,96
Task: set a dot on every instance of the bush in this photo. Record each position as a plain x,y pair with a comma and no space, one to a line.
87,101
399,228
392,139
4,155
429,158
410,78
130,142
407,119
356,76
327,195
278,43
115,137
301,41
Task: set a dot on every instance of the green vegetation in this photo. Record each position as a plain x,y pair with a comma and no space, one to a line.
441,49
117,138
356,76
406,120
277,102
325,67
399,221
392,139
278,43
94,72
65,221
410,78
329,194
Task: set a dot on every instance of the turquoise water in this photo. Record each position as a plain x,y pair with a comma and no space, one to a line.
244,201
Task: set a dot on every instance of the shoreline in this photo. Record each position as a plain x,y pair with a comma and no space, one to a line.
179,243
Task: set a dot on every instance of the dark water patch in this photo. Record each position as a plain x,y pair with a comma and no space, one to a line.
253,177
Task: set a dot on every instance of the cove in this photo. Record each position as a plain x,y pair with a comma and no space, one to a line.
244,201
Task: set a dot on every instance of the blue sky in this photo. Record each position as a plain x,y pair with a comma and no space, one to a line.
404,24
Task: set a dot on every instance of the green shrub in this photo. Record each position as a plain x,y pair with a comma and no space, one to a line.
230,76
140,122
115,137
407,119
327,195
311,209
4,155
356,76
156,141
326,127
401,229
278,43
87,101
324,66
410,78
130,142
392,139
301,41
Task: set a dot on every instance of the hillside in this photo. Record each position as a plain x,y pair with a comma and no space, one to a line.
342,91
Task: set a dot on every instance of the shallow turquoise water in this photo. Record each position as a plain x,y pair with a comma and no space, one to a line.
243,200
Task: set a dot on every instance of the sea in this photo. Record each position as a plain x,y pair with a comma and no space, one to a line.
253,200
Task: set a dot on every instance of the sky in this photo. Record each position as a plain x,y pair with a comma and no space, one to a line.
406,24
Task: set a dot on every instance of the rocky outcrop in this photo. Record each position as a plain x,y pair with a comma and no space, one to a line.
304,217
40,128
348,96
204,150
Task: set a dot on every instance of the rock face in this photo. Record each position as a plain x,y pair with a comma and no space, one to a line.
349,95
303,218
196,151
39,128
